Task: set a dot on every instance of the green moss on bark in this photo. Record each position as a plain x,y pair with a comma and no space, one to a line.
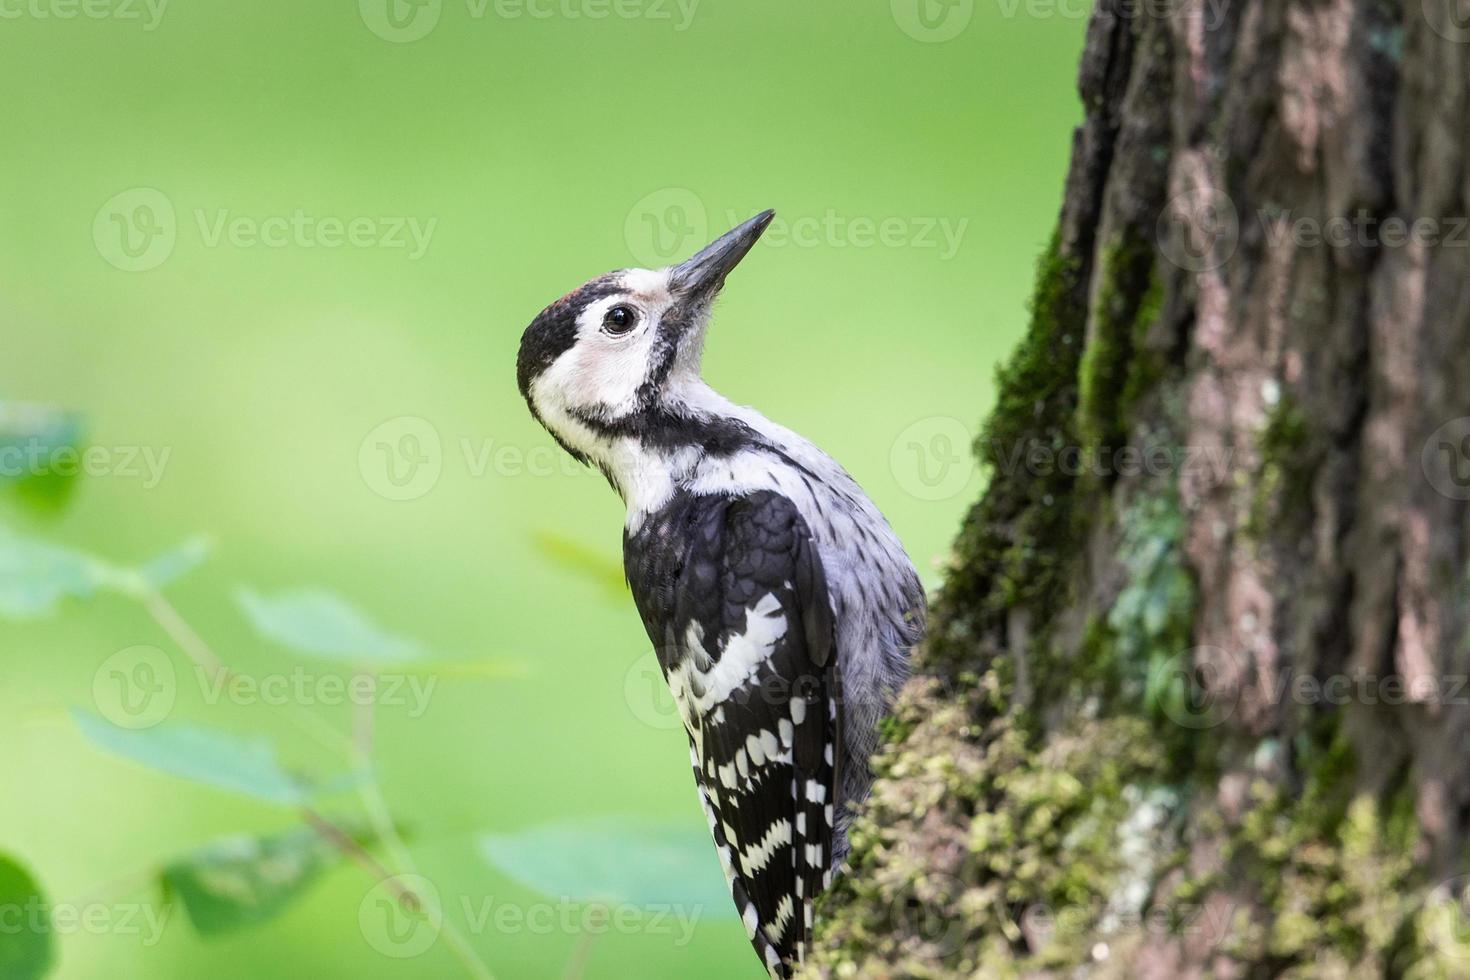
1337,895
1288,461
980,851
1115,368
1016,542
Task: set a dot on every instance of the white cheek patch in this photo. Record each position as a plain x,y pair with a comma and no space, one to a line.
598,374
604,373
601,373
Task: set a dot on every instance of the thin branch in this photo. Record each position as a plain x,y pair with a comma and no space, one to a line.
203,656
577,965
352,849
361,747
193,645
380,818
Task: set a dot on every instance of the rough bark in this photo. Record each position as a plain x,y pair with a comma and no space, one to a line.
1202,711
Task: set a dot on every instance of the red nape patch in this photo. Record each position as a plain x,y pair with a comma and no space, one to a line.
571,297
588,290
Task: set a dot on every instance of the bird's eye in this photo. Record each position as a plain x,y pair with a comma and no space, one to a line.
620,319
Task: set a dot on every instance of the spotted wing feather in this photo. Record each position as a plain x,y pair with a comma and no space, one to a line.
733,593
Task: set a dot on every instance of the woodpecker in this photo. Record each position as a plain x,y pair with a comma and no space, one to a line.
781,605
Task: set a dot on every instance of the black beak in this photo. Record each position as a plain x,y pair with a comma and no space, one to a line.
704,274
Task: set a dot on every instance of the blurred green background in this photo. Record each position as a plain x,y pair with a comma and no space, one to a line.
336,411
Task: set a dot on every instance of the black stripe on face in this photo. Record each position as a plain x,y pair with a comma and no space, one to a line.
551,335
673,327
658,427
554,330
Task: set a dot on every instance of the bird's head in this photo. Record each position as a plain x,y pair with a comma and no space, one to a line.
609,357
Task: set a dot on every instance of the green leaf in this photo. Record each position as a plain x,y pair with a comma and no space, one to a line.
605,572
25,941
36,575
35,442
171,566
243,880
225,761
615,860
320,623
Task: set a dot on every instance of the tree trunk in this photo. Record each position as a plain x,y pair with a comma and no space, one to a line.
1194,701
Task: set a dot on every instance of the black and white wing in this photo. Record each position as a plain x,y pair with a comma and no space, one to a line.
732,592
